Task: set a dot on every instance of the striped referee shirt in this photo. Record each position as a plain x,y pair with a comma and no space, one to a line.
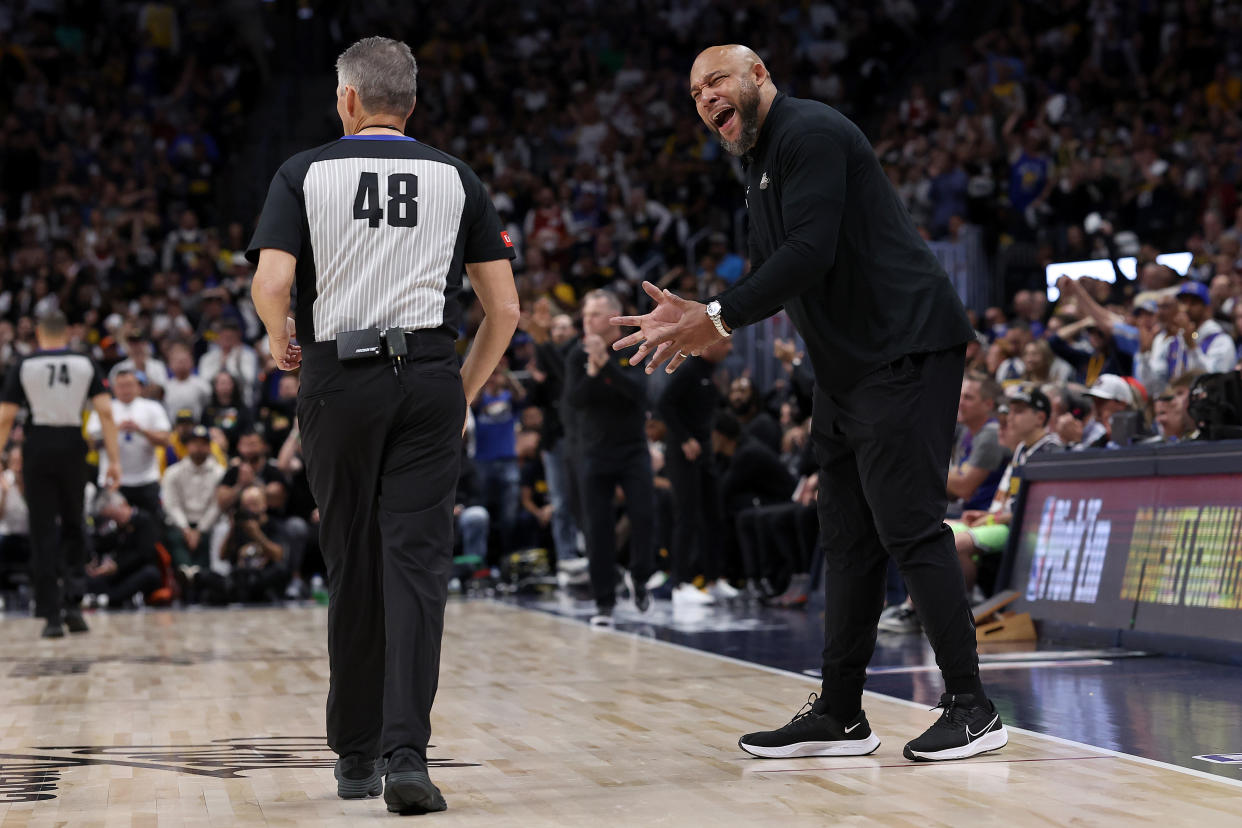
382,227
55,387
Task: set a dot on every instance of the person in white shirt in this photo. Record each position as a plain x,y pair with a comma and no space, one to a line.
152,372
14,519
189,489
184,389
234,357
1203,344
144,427
1151,363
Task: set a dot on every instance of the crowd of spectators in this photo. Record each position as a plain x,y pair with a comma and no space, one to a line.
1080,128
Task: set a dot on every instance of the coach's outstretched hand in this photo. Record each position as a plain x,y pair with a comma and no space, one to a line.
673,331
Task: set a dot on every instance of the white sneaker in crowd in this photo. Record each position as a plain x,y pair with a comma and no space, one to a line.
572,565
722,590
688,595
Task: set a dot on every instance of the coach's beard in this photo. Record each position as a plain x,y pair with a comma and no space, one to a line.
748,112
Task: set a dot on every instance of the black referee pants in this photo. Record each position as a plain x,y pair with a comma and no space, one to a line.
382,455
54,472
883,447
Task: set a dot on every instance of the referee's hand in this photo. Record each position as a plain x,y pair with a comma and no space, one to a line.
288,355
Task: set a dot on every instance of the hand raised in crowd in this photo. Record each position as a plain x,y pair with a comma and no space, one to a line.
674,331
245,473
1186,327
1147,330
596,351
785,351
252,529
1069,429
692,449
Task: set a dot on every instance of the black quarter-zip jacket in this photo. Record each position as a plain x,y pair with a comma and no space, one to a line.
831,243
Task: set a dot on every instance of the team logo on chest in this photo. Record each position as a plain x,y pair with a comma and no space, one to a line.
763,182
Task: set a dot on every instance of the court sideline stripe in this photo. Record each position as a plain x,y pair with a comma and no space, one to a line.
1142,760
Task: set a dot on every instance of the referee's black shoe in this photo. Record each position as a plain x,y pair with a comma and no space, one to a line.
407,788
53,629
75,622
358,777
812,732
967,727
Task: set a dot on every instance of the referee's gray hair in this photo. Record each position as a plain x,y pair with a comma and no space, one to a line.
383,72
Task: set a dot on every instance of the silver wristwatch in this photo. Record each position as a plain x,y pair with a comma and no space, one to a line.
713,313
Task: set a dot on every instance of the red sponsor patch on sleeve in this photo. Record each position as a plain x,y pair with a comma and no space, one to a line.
504,237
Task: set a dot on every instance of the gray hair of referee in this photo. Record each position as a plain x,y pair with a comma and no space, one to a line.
382,72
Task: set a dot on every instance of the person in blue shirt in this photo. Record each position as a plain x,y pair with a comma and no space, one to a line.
495,452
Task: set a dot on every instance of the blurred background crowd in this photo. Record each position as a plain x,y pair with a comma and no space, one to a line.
138,139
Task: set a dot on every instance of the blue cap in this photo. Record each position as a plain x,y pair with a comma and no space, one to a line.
1148,305
1196,289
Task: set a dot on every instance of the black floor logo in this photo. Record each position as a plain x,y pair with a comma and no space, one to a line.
33,777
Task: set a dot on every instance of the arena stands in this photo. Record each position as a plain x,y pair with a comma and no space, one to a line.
1066,131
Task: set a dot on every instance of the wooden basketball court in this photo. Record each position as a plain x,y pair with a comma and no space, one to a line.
216,718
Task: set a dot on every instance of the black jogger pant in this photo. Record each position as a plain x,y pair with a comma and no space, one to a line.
631,470
883,448
54,472
697,520
382,454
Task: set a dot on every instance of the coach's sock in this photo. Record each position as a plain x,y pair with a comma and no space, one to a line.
966,685
841,706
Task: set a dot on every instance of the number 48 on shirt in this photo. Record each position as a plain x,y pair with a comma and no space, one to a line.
402,207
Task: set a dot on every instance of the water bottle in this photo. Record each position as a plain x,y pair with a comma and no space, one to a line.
318,591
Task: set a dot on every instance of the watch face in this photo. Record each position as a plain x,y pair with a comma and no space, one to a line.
713,308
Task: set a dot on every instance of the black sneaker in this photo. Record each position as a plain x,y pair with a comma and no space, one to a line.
813,733
75,622
53,629
408,789
638,591
965,728
358,777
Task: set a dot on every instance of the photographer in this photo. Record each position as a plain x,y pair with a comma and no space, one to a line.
254,551
251,467
128,563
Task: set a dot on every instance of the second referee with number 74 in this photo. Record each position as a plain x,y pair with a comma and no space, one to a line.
375,230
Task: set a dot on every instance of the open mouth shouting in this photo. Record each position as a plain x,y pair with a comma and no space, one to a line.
724,119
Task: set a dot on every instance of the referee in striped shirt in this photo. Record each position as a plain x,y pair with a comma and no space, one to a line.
375,230
55,384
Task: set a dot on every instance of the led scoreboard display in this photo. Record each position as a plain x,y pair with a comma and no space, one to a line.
1153,554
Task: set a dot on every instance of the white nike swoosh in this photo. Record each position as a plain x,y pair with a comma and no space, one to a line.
972,736
852,727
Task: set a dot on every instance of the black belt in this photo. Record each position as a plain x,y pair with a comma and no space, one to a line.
420,339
